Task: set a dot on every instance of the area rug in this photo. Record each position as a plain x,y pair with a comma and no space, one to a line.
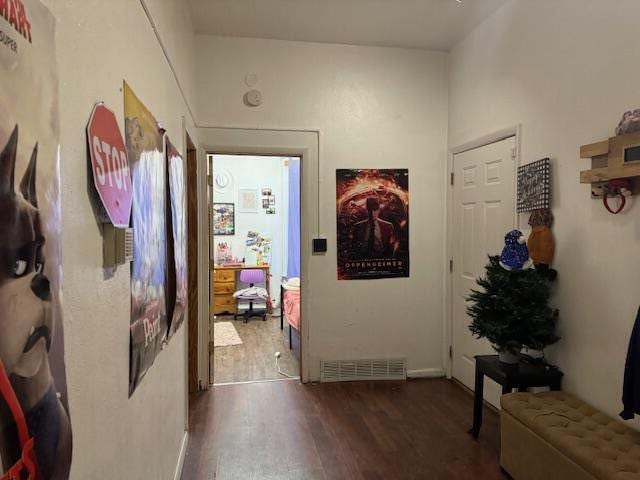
225,335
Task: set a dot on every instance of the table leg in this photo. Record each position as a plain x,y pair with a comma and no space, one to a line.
478,396
269,304
507,388
555,385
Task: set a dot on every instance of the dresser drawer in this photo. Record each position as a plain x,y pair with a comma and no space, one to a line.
226,288
224,275
224,303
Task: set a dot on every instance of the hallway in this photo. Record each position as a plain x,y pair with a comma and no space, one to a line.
285,430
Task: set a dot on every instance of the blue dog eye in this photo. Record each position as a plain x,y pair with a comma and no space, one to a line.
20,268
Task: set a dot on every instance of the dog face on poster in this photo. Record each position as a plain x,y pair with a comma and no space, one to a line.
35,433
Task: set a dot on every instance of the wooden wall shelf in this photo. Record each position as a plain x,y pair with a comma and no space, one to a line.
617,157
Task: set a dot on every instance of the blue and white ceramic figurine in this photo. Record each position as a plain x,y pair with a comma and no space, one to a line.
515,254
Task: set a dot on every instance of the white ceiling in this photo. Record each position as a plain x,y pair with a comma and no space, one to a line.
429,24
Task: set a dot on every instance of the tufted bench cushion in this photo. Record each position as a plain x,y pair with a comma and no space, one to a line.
596,445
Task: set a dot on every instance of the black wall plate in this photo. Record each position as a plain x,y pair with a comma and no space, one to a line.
319,245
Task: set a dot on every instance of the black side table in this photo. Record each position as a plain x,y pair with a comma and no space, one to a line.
521,376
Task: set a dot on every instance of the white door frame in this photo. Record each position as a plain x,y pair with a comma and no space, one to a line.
285,142
515,131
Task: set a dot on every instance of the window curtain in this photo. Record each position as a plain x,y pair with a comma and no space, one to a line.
293,234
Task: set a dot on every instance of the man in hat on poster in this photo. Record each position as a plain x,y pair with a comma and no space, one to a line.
373,237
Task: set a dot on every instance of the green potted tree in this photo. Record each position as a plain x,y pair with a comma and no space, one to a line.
511,310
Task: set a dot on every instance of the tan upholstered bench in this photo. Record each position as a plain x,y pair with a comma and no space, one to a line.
555,436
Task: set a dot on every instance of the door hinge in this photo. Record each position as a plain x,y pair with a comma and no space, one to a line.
451,352
451,265
210,180
452,177
514,153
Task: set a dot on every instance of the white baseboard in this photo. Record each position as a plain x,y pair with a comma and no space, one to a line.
183,453
426,373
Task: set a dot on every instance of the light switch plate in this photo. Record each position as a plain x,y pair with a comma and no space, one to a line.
319,245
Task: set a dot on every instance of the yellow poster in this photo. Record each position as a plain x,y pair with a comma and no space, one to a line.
148,327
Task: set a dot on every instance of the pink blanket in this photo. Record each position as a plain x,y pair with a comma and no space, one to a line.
292,307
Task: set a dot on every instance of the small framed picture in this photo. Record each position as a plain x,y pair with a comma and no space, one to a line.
534,186
265,203
224,219
271,211
272,200
248,200
266,191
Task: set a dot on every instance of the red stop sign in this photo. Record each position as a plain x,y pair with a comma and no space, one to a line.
110,165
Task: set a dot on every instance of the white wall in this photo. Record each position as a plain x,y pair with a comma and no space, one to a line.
256,172
565,70
98,44
375,107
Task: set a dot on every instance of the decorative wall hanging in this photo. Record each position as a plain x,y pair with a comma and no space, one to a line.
248,200
35,430
615,171
177,244
372,209
110,166
224,219
534,185
148,327
222,182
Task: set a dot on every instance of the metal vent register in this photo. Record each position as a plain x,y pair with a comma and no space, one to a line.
374,369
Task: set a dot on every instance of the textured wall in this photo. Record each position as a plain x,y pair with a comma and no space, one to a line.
98,45
565,70
375,107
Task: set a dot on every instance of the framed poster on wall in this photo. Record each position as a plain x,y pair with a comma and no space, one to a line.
372,207
224,219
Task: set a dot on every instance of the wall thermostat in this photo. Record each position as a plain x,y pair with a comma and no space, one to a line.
251,80
253,98
118,245
319,245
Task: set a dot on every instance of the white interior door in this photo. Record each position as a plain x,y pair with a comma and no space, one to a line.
483,211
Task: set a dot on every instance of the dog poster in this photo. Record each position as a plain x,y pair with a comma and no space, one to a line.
177,291
373,223
148,328
35,430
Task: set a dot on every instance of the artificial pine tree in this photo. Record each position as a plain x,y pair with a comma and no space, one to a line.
512,309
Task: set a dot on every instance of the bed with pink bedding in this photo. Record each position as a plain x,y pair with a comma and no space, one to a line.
290,308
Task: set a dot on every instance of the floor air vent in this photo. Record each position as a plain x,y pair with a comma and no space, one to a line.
349,370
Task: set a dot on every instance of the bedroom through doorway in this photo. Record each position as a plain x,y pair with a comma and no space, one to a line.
254,310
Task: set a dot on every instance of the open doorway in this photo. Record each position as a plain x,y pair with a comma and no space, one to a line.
254,268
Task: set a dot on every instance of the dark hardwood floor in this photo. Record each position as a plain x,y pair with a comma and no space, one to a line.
361,430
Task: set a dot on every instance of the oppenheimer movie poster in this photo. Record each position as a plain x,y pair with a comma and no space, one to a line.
373,223
177,229
35,431
149,219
